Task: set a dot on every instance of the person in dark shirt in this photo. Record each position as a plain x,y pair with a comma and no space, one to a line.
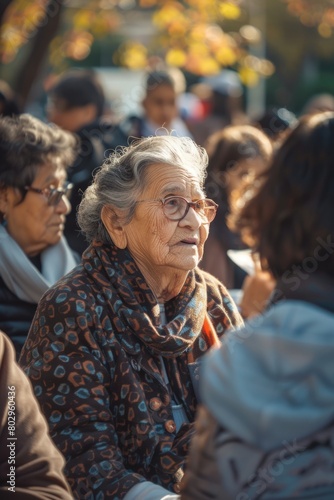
76,103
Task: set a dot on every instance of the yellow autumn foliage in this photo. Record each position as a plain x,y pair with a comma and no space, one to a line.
190,33
132,55
226,56
167,14
248,76
176,57
82,19
311,13
229,10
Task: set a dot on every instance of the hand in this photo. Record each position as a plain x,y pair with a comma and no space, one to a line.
256,292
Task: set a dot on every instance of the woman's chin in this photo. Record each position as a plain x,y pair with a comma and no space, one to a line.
55,238
189,263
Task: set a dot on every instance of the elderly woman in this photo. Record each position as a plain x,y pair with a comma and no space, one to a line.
266,426
33,206
113,350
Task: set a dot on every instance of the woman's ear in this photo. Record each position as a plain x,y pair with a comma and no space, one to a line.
113,224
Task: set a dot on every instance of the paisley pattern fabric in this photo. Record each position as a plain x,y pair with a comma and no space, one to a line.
93,356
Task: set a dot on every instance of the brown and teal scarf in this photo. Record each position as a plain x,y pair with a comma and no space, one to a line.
135,309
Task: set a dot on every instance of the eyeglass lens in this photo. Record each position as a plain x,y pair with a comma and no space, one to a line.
57,194
175,208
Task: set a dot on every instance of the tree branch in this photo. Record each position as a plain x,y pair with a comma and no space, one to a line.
3,7
44,34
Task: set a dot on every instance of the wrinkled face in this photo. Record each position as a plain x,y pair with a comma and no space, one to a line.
160,105
157,243
34,224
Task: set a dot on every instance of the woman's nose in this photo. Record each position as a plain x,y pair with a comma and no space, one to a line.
192,218
64,206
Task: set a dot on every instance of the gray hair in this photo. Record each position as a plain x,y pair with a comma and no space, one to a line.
26,143
121,179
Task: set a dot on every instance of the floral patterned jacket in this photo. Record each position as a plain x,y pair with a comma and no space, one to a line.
92,355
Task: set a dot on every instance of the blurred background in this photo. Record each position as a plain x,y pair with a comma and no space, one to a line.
281,49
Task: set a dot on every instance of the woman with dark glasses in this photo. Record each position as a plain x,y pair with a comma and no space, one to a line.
33,205
114,348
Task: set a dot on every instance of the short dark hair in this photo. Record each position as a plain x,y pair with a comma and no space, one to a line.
79,88
27,143
156,78
274,121
8,106
292,211
9,102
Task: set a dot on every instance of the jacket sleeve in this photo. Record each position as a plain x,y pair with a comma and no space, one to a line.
66,362
30,464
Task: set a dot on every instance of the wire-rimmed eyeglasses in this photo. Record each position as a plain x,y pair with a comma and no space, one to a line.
52,195
176,207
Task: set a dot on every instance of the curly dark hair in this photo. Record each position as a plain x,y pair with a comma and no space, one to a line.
26,144
289,220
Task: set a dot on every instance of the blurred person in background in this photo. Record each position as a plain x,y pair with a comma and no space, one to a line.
222,97
275,123
238,154
31,467
161,114
115,347
33,207
266,426
76,102
318,103
8,102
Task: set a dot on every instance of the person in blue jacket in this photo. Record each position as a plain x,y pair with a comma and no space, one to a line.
265,430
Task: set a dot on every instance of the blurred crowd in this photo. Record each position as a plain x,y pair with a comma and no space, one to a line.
129,248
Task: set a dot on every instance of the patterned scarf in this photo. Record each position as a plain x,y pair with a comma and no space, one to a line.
135,307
